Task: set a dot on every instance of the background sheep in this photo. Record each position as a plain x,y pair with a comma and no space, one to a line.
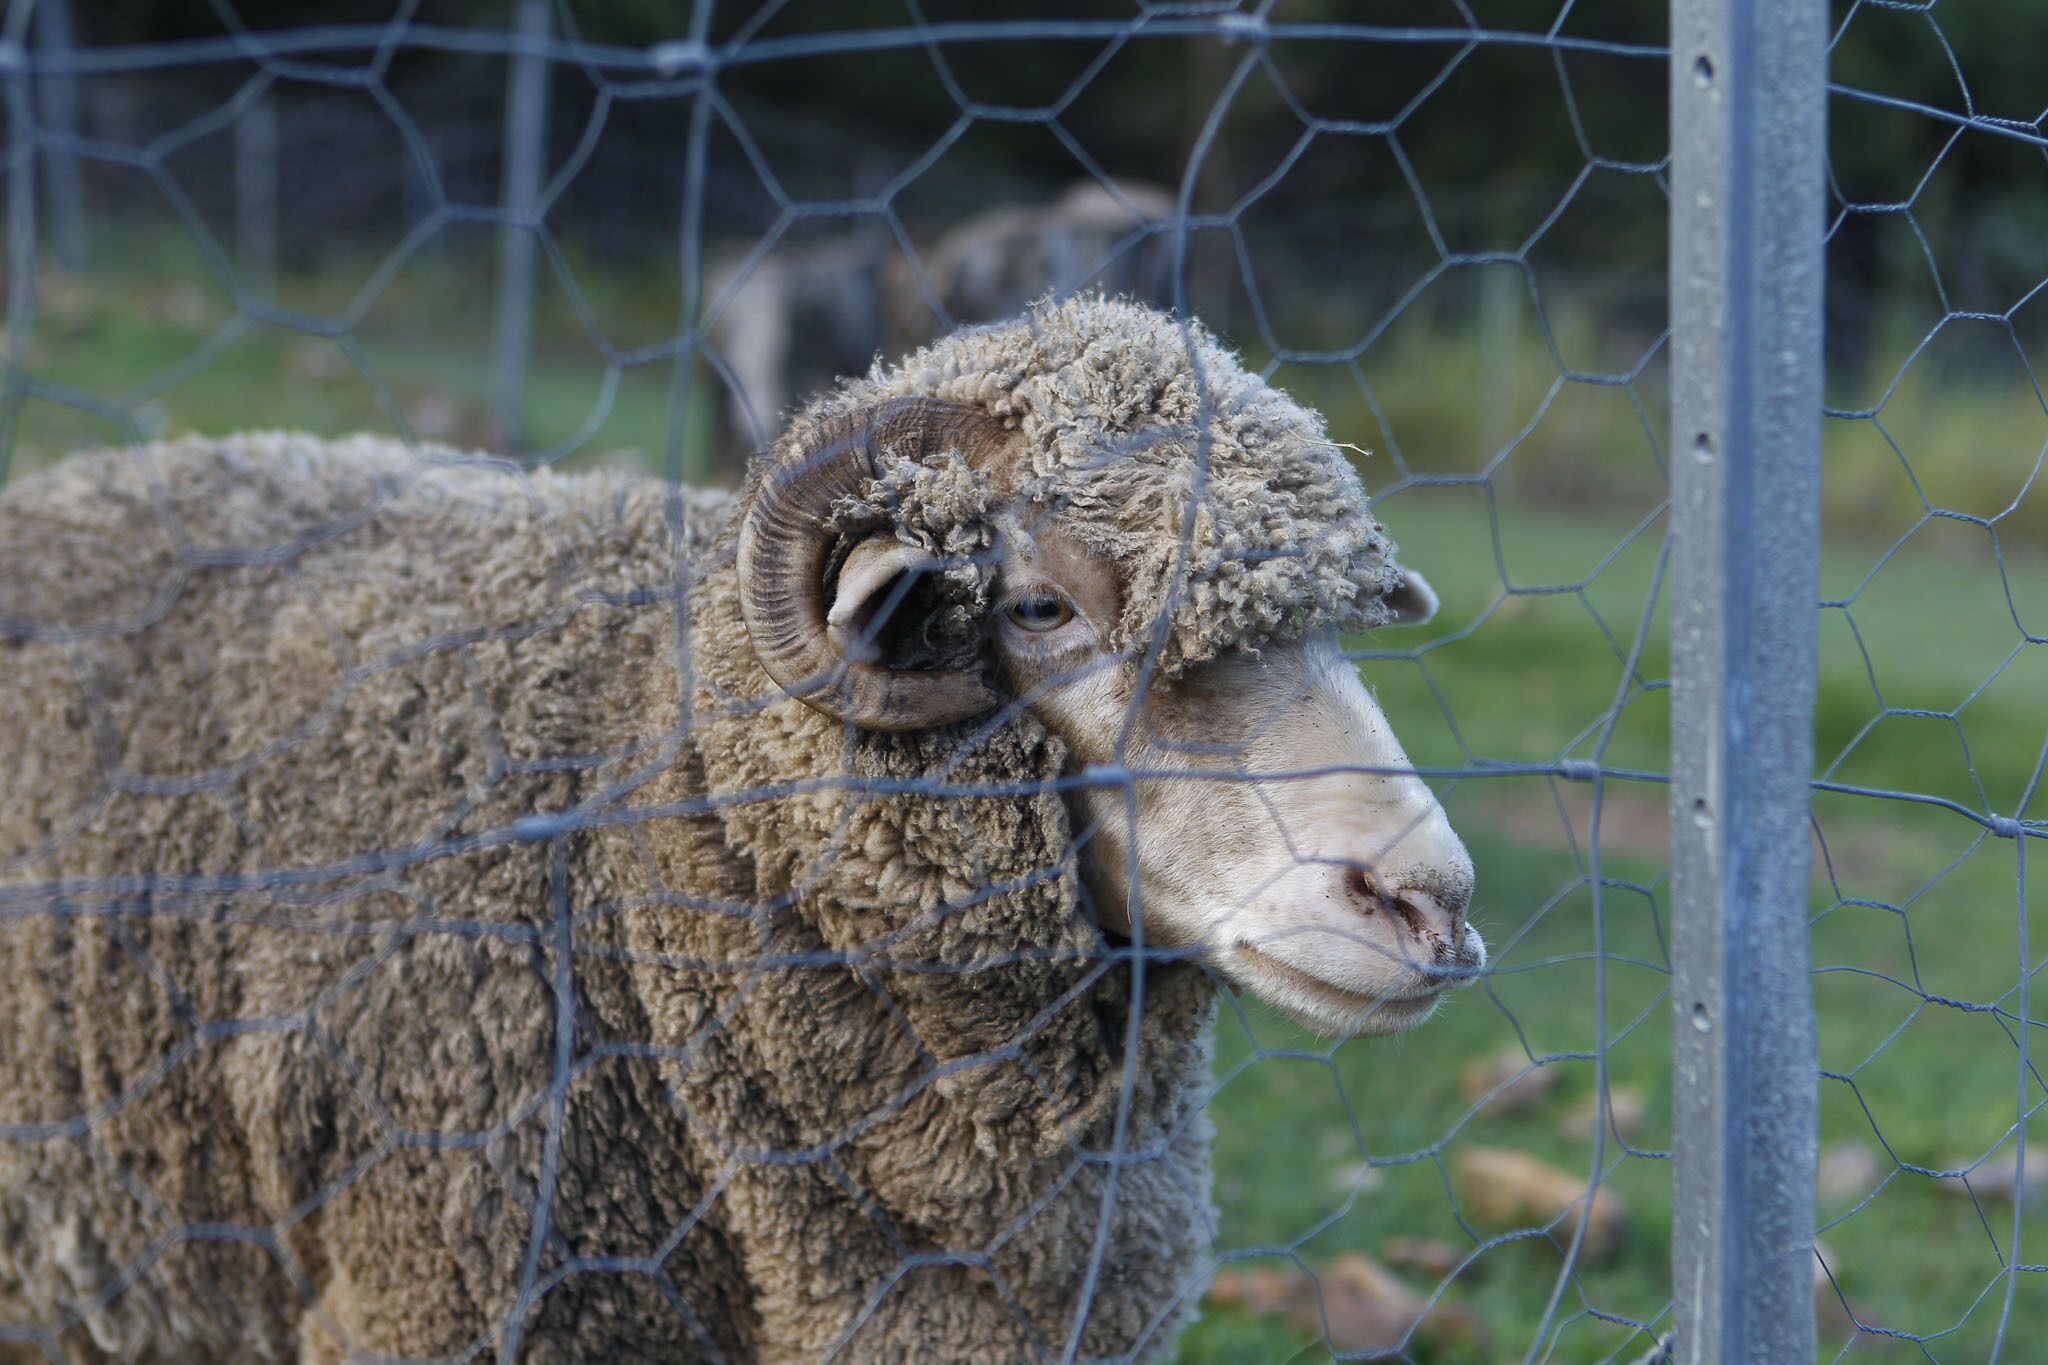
793,322
436,926
1112,238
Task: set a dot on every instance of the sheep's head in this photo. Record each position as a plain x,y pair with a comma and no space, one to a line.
1164,595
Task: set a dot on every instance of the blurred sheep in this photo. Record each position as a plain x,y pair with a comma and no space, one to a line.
793,322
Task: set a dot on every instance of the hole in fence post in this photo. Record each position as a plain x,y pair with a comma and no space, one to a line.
1701,1019
1703,72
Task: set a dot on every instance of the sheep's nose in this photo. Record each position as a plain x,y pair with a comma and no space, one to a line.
1434,918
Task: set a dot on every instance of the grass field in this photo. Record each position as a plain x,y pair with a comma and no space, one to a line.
1323,1151
1551,647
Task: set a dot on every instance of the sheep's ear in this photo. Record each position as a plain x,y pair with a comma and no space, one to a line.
872,584
1413,600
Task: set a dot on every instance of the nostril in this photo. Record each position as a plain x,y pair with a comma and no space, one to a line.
1455,911
1415,915
1442,905
1436,921
1365,890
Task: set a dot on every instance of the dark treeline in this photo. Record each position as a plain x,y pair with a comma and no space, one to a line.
1489,147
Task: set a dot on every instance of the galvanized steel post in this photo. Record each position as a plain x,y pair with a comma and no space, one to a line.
526,95
1748,114
256,195
57,108
19,177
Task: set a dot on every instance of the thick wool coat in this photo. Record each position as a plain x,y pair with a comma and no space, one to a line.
426,929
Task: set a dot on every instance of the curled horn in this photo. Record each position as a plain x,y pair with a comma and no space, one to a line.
784,550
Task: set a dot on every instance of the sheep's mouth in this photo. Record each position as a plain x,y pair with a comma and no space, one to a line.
1393,1011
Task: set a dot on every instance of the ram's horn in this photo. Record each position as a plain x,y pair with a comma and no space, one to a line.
784,551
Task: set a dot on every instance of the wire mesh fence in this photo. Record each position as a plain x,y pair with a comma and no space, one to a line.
432,939
1951,768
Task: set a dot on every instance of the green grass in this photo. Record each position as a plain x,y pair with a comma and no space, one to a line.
1550,646
1298,1121
150,342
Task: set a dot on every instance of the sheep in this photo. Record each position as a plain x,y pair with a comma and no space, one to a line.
453,910
791,323
795,320
1094,235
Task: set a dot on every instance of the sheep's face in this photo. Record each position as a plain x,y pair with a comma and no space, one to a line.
1257,809
1249,805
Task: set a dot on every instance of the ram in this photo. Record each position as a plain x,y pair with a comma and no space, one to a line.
452,910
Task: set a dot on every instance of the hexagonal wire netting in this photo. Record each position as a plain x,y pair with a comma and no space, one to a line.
1446,233
1930,734
1439,1171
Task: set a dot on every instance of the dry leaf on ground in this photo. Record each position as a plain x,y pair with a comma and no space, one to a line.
1628,1107
1513,1081
1504,1189
1363,1306
1425,1255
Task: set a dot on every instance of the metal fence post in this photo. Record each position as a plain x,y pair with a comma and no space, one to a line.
20,180
1748,113
526,95
57,105
256,195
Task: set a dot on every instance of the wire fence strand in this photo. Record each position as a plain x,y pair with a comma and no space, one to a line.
437,875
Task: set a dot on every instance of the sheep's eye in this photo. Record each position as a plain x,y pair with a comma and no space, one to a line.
1041,611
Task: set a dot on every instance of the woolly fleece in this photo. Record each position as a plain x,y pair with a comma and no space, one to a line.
283,961
1233,518
339,769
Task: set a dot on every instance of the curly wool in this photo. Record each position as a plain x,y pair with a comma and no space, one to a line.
944,509
1233,519
856,1054
851,1064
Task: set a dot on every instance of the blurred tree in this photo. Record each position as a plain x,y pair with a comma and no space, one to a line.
1494,135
